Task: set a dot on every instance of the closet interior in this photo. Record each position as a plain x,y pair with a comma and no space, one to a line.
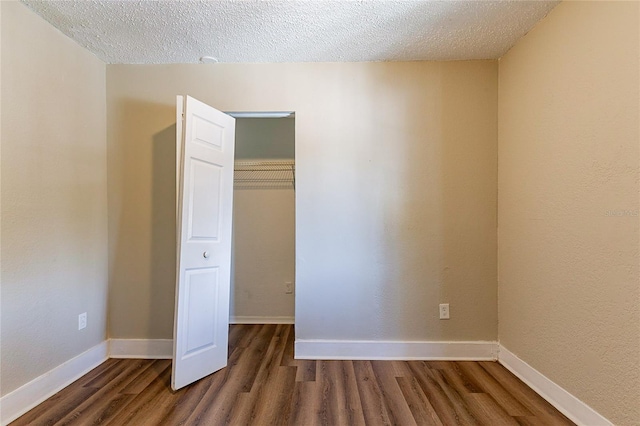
263,261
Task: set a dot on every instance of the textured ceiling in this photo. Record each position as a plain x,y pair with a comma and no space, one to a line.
151,32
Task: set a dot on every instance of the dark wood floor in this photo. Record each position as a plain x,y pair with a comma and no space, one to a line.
264,385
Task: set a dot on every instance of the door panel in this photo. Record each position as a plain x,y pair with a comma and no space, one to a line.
205,197
201,292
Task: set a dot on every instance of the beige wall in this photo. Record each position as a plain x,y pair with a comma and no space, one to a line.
395,192
263,253
54,205
265,138
568,203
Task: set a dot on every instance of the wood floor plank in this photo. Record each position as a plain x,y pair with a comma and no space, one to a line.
484,381
305,404
463,411
273,403
457,378
340,392
186,399
143,405
217,402
246,333
421,409
373,408
210,405
328,412
98,414
487,410
306,371
306,368
55,408
265,385
264,377
280,339
110,363
395,403
147,375
439,365
440,401
101,401
235,334
400,369
107,376
532,421
250,374
540,408
240,413
288,359
255,355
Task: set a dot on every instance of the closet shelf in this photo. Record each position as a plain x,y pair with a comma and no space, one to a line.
279,174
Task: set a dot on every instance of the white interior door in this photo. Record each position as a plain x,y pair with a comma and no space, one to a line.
206,139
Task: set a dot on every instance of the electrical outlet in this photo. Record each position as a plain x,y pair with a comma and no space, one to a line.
82,321
289,287
444,311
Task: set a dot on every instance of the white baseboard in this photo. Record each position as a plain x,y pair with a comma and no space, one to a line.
141,348
576,410
23,399
398,350
240,319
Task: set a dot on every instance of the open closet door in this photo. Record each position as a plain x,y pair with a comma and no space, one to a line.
206,140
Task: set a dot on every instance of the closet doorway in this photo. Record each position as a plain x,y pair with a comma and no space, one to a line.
263,248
